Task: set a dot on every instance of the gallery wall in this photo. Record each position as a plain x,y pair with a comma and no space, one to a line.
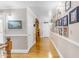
67,47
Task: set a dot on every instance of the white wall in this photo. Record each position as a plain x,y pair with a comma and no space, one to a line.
18,14
45,27
74,32
22,39
65,47
68,47
1,28
45,30
18,36
30,28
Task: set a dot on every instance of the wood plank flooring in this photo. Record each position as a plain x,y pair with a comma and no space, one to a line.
42,49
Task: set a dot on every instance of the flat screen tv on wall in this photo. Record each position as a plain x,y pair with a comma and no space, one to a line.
14,24
74,15
65,20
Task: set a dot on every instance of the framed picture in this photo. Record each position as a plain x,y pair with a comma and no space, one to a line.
60,31
74,15
65,32
14,24
65,20
60,22
67,5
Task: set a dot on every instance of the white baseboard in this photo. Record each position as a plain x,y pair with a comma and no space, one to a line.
19,51
31,46
67,39
44,36
57,49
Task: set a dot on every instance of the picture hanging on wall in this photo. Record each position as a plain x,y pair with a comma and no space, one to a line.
74,15
67,5
65,20
65,32
60,31
56,23
14,24
60,22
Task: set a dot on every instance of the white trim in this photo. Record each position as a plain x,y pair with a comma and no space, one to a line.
45,37
57,49
31,46
19,51
73,42
67,39
16,34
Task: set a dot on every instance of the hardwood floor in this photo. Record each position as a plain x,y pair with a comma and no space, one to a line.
42,49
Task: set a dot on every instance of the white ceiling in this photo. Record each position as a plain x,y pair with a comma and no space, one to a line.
42,9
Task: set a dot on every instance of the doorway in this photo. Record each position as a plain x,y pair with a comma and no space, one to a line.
37,31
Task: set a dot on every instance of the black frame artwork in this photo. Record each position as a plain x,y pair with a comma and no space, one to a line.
60,22
65,20
14,24
56,23
67,5
74,15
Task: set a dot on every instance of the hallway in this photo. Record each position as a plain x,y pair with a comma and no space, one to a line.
55,23
43,49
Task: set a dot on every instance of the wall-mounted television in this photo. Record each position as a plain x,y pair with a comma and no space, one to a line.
74,15
65,20
14,24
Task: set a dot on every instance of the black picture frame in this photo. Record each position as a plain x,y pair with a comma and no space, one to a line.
67,5
65,20
60,22
14,24
56,23
74,15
